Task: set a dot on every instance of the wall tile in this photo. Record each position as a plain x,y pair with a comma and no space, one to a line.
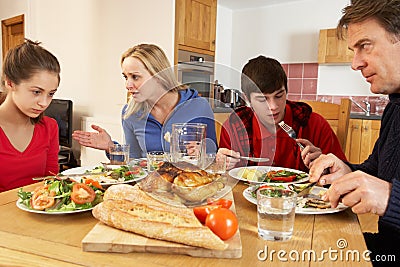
309,86
296,70
295,86
294,97
310,70
312,97
286,68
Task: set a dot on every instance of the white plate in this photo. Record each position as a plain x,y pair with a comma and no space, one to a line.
299,210
23,207
264,169
83,169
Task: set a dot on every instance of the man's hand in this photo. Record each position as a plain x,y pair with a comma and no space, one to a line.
362,192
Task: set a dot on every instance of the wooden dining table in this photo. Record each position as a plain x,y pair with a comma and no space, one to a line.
30,239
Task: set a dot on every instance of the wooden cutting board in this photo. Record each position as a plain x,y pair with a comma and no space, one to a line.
103,238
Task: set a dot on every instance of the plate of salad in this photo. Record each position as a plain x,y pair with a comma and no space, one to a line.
106,174
61,196
268,175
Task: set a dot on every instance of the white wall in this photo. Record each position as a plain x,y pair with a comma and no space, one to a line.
88,37
289,32
9,9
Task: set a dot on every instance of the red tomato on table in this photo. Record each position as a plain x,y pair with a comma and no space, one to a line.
222,222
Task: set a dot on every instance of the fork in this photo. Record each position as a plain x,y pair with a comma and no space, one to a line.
289,130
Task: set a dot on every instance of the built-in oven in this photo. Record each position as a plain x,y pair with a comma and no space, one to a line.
197,71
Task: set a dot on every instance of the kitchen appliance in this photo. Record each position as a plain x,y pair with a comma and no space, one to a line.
233,98
197,71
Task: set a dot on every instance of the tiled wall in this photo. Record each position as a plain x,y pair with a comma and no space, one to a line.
302,85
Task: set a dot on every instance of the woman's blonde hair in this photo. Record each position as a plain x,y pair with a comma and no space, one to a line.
157,64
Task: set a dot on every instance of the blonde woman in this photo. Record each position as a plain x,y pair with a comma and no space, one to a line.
157,101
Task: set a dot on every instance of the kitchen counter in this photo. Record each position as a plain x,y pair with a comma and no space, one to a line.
222,110
362,116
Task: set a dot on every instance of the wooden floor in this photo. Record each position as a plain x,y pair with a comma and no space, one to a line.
368,222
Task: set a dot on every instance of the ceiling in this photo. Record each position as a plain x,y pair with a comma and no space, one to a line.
245,4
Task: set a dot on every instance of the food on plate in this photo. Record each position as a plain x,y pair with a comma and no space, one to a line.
82,193
250,174
107,175
222,222
317,203
60,195
184,179
278,176
131,209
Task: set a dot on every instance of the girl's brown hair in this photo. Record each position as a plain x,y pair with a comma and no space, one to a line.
24,61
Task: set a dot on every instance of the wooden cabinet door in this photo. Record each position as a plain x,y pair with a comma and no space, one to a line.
196,24
361,139
331,49
354,141
370,133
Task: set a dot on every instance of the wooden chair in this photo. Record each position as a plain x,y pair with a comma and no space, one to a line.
338,117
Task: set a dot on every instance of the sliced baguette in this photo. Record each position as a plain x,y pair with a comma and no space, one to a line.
129,208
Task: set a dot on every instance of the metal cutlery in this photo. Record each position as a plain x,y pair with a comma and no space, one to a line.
306,190
289,130
254,159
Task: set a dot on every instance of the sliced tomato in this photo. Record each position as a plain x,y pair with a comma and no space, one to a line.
42,198
201,212
133,171
223,202
143,163
94,183
223,222
284,178
81,193
265,187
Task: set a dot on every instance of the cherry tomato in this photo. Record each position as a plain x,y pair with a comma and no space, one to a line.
94,183
201,212
222,222
224,203
82,193
42,198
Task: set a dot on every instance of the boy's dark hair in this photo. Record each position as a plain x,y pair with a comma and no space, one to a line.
263,75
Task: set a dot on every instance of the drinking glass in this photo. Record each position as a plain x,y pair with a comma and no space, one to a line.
276,212
214,164
155,159
188,143
119,154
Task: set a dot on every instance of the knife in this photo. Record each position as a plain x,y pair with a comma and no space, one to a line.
255,159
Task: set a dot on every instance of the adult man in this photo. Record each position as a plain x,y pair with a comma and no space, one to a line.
373,33
255,131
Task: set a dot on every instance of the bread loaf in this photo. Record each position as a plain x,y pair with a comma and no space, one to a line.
128,208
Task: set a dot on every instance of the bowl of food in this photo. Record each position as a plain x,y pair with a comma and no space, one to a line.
186,181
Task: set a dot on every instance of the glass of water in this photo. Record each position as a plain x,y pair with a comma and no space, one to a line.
276,211
119,154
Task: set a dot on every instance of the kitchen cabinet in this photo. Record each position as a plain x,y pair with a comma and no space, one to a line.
331,49
361,139
220,118
195,26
